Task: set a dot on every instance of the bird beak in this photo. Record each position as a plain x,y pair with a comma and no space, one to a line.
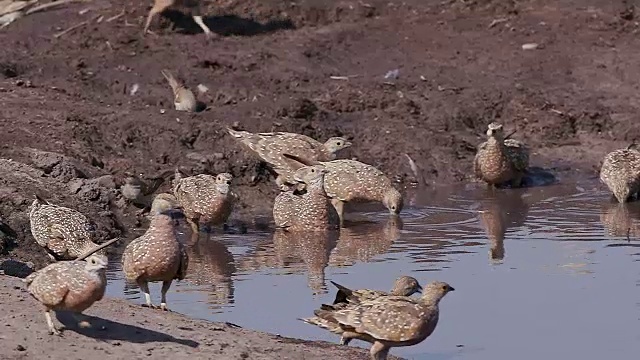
419,289
451,288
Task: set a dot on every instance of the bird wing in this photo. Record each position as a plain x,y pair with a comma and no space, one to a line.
391,318
518,153
48,285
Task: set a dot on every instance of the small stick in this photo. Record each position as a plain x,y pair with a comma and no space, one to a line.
116,16
71,29
414,167
97,248
50,4
497,21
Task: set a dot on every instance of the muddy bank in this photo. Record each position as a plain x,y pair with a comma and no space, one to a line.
81,110
121,330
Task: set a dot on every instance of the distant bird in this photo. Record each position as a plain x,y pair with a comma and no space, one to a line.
183,98
270,147
389,321
139,190
310,211
69,286
205,199
403,286
157,255
63,232
354,181
194,7
500,160
620,171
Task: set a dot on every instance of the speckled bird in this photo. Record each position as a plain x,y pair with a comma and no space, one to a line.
389,321
69,286
139,190
63,232
205,199
157,255
269,147
499,160
620,171
354,181
403,286
309,211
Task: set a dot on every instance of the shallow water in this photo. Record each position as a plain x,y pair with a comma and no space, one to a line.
545,272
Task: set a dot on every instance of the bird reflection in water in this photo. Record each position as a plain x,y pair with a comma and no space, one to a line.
212,264
362,242
313,248
500,210
621,220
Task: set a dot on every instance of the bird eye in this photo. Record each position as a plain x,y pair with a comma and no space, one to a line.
444,287
339,143
313,170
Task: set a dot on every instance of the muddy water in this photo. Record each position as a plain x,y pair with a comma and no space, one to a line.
544,272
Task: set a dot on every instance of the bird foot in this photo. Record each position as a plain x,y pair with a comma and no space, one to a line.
150,306
54,331
164,307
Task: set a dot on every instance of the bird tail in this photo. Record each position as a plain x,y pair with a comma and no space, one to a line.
41,200
343,293
170,79
323,323
301,160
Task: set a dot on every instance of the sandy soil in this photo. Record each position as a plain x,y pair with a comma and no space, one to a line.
121,330
72,123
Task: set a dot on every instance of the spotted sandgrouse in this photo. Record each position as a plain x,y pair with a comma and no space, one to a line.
63,232
70,286
499,160
620,171
157,255
390,321
353,181
269,147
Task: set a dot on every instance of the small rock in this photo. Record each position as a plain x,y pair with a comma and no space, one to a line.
75,185
106,181
530,46
21,348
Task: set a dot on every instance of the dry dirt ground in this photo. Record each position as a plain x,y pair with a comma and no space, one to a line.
121,330
78,109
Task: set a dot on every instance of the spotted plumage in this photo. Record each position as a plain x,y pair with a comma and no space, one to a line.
140,191
69,286
205,199
390,321
352,181
157,255
270,147
63,232
499,160
620,171
403,286
308,211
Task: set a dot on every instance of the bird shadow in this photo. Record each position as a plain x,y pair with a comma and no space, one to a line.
226,25
103,329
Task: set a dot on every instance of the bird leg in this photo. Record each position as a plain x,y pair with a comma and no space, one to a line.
203,26
379,351
339,206
144,286
83,323
345,340
165,288
52,329
195,229
157,8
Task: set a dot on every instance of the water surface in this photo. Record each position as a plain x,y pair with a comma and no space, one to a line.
547,272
